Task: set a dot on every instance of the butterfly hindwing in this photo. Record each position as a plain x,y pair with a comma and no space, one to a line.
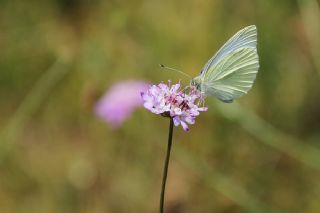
232,76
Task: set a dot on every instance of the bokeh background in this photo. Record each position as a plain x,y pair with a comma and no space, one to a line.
57,57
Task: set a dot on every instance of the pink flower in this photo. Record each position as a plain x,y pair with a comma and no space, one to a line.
169,101
119,102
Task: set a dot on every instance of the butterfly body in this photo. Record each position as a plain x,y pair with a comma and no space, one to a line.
230,73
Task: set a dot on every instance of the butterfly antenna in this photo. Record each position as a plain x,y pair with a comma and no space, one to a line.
179,71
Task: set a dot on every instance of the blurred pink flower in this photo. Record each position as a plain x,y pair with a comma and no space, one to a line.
119,101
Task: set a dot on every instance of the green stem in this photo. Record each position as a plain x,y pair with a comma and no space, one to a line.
166,165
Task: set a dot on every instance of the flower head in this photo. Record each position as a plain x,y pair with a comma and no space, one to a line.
119,101
170,101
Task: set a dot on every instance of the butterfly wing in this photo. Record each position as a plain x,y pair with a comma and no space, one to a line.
230,73
247,37
232,76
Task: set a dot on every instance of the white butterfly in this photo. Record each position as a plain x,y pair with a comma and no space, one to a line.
230,73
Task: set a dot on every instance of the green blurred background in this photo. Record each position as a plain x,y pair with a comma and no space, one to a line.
57,57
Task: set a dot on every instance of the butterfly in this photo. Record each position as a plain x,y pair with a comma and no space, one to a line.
230,73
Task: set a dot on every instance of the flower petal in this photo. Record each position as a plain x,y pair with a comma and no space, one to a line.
184,126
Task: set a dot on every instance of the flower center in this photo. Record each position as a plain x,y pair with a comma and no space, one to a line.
173,101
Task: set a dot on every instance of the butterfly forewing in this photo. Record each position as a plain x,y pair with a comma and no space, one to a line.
247,37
